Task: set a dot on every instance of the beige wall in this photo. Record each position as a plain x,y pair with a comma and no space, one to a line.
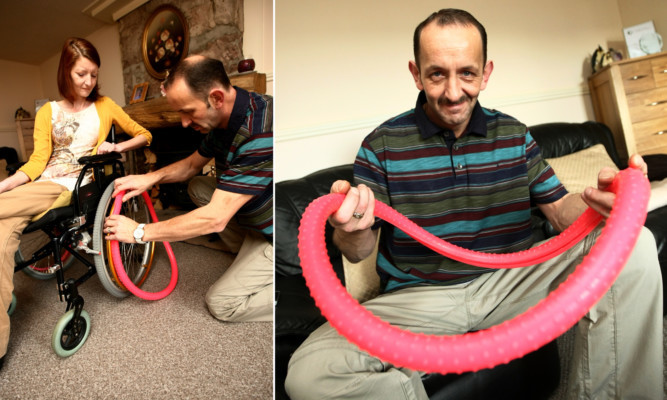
342,67
20,85
635,12
258,37
111,73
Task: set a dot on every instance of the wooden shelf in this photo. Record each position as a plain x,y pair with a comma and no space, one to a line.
156,113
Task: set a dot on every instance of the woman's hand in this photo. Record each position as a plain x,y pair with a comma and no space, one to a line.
107,147
9,183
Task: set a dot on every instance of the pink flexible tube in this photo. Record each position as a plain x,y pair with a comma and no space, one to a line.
500,344
118,263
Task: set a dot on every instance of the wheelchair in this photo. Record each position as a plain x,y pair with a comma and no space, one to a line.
73,230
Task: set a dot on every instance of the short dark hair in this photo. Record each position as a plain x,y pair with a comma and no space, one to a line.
449,16
200,74
73,49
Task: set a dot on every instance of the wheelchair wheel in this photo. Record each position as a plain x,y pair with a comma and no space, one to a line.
137,258
32,242
70,333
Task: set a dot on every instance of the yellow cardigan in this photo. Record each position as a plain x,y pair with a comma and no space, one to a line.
108,112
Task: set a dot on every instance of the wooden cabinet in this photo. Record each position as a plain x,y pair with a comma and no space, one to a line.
630,96
24,130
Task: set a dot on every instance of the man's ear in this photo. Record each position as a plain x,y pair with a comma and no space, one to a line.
414,70
216,97
487,74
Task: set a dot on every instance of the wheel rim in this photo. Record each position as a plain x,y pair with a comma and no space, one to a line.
43,266
70,333
137,258
73,333
30,243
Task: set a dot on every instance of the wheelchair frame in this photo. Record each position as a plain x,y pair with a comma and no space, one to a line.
69,228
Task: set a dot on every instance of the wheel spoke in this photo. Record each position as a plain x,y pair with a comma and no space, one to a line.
73,333
32,242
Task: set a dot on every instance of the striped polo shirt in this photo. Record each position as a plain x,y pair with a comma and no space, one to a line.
244,158
475,191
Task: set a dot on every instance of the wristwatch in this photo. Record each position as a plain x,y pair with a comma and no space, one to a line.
139,234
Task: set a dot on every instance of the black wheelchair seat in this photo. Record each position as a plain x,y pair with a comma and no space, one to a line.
50,219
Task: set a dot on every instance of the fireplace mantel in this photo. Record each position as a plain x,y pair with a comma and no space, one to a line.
156,113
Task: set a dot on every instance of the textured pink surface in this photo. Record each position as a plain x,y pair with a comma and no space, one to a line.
500,344
118,263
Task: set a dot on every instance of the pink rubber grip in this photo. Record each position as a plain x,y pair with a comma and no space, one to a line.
118,263
500,344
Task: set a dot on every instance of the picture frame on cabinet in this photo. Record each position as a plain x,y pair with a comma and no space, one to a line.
139,93
642,39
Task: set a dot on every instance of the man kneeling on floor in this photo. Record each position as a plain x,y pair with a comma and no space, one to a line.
239,135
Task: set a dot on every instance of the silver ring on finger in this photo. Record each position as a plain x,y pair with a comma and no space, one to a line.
357,215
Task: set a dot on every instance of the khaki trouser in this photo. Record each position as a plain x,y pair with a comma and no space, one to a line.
245,290
618,344
17,207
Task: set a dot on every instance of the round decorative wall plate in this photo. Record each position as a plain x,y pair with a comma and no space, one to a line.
165,40
650,43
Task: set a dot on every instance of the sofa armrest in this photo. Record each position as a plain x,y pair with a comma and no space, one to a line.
291,199
296,314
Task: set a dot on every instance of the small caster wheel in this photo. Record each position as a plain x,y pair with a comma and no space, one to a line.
12,306
70,334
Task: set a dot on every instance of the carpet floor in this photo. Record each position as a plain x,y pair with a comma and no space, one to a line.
167,349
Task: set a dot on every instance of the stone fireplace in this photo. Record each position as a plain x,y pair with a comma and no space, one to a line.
215,30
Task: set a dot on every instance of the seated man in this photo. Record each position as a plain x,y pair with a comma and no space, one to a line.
469,175
239,128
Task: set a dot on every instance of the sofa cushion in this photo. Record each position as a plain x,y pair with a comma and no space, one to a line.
579,170
361,279
559,139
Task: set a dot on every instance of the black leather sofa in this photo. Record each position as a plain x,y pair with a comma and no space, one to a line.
535,376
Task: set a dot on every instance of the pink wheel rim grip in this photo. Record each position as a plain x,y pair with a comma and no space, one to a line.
514,338
118,263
